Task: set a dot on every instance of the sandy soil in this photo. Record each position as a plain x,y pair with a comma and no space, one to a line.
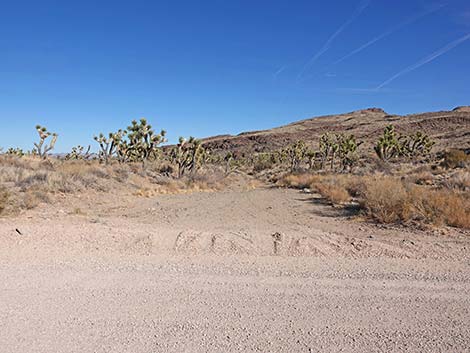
268,270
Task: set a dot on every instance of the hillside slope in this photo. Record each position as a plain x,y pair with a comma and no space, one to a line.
450,129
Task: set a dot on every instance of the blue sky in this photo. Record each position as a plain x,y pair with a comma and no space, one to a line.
212,67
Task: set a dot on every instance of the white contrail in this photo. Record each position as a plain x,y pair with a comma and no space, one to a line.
278,72
387,33
426,60
330,40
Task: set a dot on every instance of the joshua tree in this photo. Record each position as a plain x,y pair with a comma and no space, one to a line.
79,153
123,151
188,155
263,161
15,152
388,146
348,146
391,145
143,142
312,157
229,159
329,147
418,144
295,153
109,145
41,148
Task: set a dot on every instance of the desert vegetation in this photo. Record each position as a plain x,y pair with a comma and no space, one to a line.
392,198
405,182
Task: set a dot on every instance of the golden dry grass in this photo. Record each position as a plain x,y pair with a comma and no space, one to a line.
299,181
438,207
383,199
336,194
389,199
29,181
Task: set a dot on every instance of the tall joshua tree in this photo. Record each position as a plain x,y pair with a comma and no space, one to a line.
388,145
109,144
295,154
391,144
188,155
41,148
347,151
328,149
143,141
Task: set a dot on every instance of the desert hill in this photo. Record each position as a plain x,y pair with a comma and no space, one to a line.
450,129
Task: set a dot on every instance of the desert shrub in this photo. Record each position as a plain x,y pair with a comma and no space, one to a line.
336,194
420,178
352,184
10,174
459,180
384,199
166,169
455,159
4,197
32,178
71,176
121,172
438,207
298,181
389,200
262,161
32,198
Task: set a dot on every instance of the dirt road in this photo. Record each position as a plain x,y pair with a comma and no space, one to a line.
261,270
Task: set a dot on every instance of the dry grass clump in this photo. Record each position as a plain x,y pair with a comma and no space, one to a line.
420,178
28,182
202,182
337,189
298,181
62,179
455,159
336,194
389,200
384,199
459,180
439,207
31,181
33,198
4,196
